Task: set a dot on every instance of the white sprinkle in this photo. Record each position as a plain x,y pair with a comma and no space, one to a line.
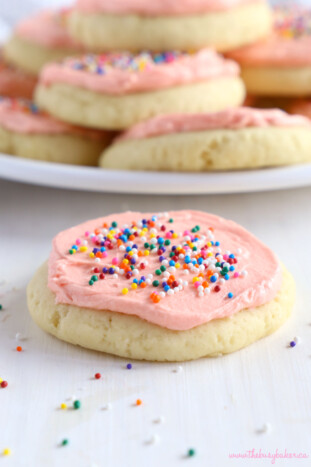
162,294
107,406
201,294
150,276
115,276
200,288
186,271
148,281
165,262
239,251
179,369
97,260
297,339
207,291
117,269
185,283
160,419
135,272
267,428
244,273
122,248
170,292
18,336
172,269
222,280
121,272
155,439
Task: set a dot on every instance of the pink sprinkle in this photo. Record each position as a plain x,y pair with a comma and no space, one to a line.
236,274
168,235
186,233
87,233
78,241
197,284
226,257
115,261
105,254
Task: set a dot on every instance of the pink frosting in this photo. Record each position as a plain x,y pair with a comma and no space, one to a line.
201,66
16,116
256,280
45,28
301,107
276,51
233,119
15,83
158,7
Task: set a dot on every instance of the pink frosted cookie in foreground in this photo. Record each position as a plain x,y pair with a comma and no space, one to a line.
117,90
167,287
14,82
240,138
40,39
280,65
168,24
27,132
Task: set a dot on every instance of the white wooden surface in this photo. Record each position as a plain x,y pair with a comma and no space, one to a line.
216,406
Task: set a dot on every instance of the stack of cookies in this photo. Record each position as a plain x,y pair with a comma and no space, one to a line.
164,75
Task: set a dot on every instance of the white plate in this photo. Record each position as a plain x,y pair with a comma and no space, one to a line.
116,181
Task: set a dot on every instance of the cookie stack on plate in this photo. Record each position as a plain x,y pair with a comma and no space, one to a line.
152,70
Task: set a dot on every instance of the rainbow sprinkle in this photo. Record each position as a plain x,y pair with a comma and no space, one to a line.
105,63
292,21
21,105
190,253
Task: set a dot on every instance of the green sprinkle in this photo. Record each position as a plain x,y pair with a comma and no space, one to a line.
155,283
77,405
197,227
172,254
65,442
0,307
163,268
71,252
152,247
194,248
146,245
167,242
114,224
225,269
132,267
171,221
158,272
94,278
191,452
218,265
91,282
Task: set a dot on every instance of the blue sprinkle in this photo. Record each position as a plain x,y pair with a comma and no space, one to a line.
230,295
213,278
227,277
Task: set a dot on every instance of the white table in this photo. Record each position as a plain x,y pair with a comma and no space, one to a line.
216,406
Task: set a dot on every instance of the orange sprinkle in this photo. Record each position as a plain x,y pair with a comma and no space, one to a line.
99,254
105,225
19,348
143,285
139,402
132,237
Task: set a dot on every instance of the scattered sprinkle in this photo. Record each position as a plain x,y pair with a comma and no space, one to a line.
19,348
155,439
7,452
297,339
107,406
63,406
179,369
77,405
139,402
292,344
191,452
4,384
97,375
129,366
159,420
65,442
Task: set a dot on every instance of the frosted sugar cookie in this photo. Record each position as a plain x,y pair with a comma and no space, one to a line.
281,65
164,287
38,40
27,132
14,82
117,90
232,139
168,24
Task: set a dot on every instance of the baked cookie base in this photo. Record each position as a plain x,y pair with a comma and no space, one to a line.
131,337
87,108
67,149
31,57
212,150
274,81
223,31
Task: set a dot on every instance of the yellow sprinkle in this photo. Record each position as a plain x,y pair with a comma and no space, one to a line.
63,406
134,286
142,234
125,291
191,245
152,235
125,261
110,236
6,452
209,244
83,248
1,380
92,255
177,265
130,253
146,253
174,235
195,279
210,254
